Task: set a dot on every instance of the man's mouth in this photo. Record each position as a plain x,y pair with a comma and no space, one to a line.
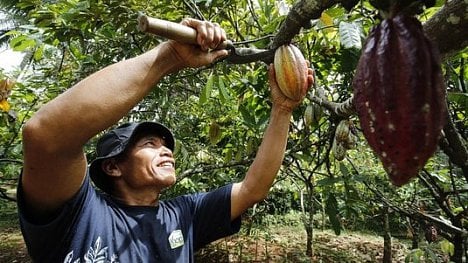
166,164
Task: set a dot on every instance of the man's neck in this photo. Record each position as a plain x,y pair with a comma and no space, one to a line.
137,198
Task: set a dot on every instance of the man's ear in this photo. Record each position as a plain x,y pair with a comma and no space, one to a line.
110,167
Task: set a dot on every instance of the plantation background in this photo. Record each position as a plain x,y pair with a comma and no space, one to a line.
319,194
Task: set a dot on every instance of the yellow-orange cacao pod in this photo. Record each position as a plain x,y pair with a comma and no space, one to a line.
291,71
5,89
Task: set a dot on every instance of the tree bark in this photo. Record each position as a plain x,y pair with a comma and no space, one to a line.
414,228
454,147
458,250
299,16
387,256
448,28
308,218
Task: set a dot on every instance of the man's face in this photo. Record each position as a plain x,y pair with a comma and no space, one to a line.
148,163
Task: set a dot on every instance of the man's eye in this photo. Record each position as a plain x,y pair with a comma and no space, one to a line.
150,143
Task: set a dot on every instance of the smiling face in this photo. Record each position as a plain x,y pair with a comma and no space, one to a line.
147,164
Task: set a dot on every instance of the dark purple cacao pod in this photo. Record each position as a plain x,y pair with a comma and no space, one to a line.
399,96
431,234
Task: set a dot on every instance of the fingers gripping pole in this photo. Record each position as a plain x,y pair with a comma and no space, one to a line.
171,30
167,29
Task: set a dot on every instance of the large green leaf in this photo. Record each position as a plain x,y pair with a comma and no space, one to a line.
331,208
328,181
459,98
223,90
350,35
247,115
22,42
206,90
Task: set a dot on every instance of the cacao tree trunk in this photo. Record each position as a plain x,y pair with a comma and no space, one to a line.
387,257
413,232
308,216
415,241
414,228
459,249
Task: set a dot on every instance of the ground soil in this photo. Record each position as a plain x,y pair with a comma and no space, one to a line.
287,244
12,248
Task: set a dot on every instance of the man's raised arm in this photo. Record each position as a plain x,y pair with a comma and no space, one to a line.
53,139
261,174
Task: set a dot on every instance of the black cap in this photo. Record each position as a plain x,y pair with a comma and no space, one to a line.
116,141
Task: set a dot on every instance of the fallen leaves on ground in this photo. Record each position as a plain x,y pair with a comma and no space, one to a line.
284,244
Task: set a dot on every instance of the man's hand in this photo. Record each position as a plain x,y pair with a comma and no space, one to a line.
209,36
278,98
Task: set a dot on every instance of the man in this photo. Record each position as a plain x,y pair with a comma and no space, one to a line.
63,217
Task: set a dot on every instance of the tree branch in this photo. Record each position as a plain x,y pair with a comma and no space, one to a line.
448,28
436,192
449,23
300,15
418,215
342,109
453,145
6,160
4,195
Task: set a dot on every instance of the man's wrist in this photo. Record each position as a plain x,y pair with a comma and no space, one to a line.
281,113
282,110
162,61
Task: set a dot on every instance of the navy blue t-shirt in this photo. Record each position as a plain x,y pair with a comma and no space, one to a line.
92,227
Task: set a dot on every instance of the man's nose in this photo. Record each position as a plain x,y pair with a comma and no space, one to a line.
166,151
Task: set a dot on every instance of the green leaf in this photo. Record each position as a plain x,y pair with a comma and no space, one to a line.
223,91
327,181
39,52
249,119
206,91
22,43
343,169
349,58
431,255
238,156
228,155
10,33
303,157
263,120
335,12
459,98
447,247
331,208
350,35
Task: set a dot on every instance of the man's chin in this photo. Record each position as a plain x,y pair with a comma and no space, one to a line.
168,180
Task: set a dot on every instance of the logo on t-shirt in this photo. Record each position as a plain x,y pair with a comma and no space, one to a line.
176,239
